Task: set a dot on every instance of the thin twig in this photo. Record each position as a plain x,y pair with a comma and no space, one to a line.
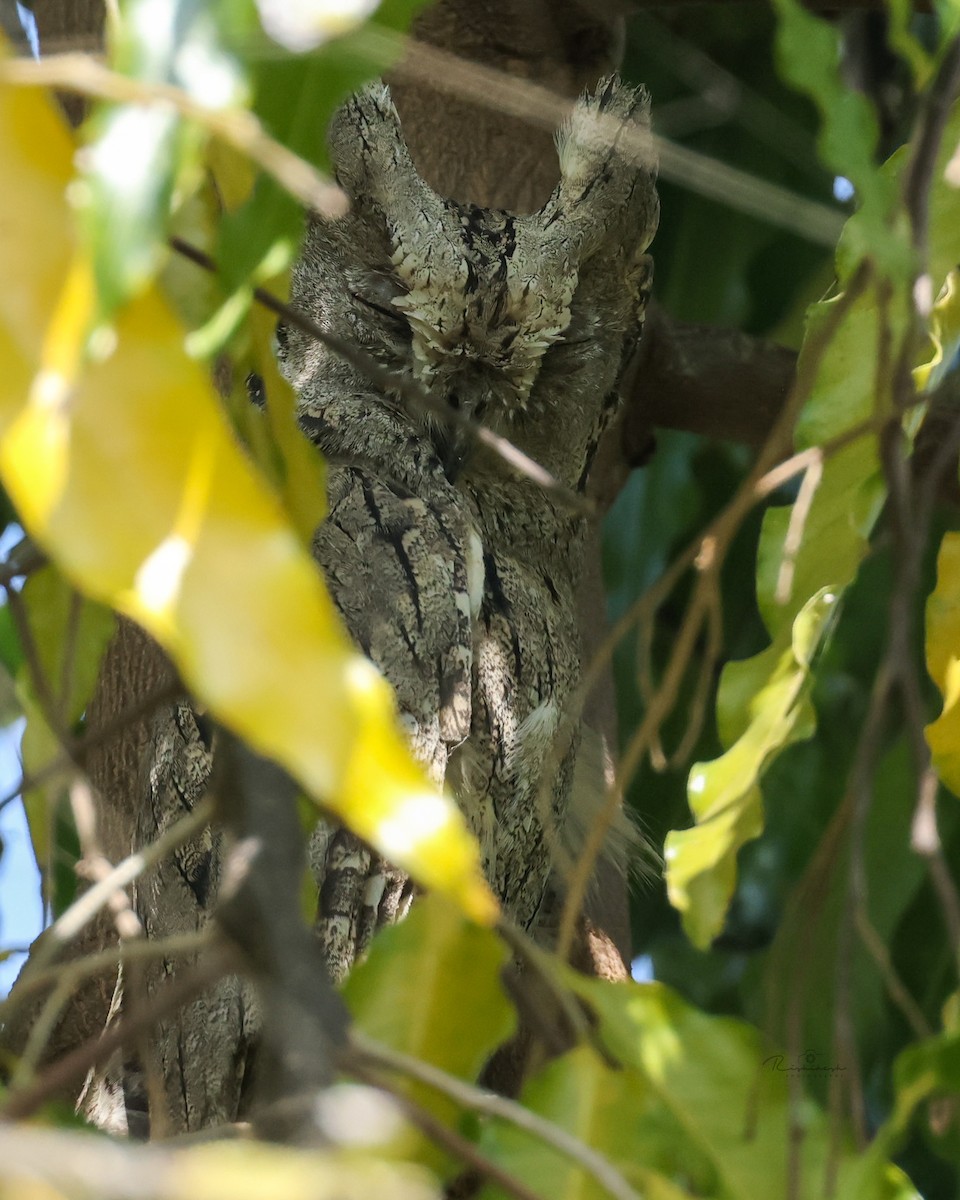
925,146
76,972
797,524
86,907
218,961
489,1104
447,1138
494,89
93,864
697,710
896,988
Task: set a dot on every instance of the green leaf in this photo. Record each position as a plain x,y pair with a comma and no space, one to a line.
136,153
724,795
851,386
615,1113
11,652
11,657
943,661
927,1081
431,988
729,1097
809,54
900,36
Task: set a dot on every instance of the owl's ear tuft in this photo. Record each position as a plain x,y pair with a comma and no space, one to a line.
608,167
374,166
366,140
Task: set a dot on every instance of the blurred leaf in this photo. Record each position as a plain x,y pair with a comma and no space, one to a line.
46,1163
209,567
301,27
902,40
927,1081
233,1171
11,657
137,152
431,988
11,652
70,635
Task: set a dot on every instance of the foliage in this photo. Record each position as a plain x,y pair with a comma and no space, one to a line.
802,1035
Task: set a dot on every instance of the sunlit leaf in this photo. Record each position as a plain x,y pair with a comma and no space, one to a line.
943,661
237,1172
123,467
944,334
724,795
851,389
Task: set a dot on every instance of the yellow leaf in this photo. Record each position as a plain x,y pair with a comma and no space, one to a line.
943,661
117,454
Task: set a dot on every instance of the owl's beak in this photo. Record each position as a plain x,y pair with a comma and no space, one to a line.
453,447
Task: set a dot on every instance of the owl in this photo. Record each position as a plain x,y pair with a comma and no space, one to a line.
453,573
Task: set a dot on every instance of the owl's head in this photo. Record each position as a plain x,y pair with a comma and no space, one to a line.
469,301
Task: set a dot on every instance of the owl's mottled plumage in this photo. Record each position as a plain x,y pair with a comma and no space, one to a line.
456,576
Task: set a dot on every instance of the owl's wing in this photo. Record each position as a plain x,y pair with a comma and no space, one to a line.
396,569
